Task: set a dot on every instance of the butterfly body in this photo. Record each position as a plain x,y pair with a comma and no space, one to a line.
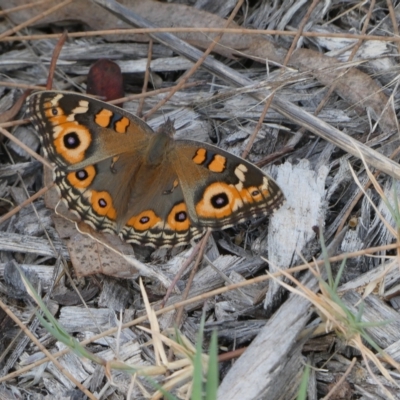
120,176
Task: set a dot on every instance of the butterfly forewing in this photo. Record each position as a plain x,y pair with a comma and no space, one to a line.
77,130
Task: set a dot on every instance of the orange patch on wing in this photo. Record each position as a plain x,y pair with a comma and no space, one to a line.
53,113
207,207
143,221
72,155
75,181
103,118
47,105
253,194
246,194
265,192
122,125
258,193
200,156
217,164
178,211
103,205
63,127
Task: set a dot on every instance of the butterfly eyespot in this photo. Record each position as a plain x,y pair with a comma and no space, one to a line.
145,220
180,216
102,203
219,200
82,178
255,193
54,111
177,219
81,175
71,140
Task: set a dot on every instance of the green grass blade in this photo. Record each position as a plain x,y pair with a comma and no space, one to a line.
302,393
213,371
197,391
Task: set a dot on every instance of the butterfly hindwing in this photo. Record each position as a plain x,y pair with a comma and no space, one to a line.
128,209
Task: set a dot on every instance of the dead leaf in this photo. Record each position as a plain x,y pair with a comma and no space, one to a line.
89,257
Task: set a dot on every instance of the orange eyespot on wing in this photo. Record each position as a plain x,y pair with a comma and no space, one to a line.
57,116
219,200
178,219
258,194
83,178
71,141
102,204
143,221
54,114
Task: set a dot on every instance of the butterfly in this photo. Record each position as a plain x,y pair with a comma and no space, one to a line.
120,176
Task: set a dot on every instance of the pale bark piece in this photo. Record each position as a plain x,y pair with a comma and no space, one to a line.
65,297
55,388
111,342
274,357
94,51
114,296
25,168
208,279
376,311
129,351
32,245
221,8
44,272
72,363
381,278
95,320
291,227
27,137
15,285
239,332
